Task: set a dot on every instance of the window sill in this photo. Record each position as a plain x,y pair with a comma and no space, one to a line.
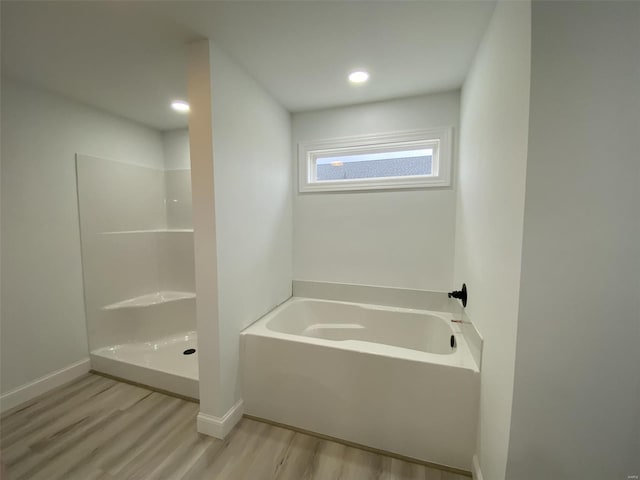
374,184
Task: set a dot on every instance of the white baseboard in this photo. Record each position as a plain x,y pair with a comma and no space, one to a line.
475,469
41,385
219,427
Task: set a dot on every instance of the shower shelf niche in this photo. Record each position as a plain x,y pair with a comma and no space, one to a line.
159,230
150,299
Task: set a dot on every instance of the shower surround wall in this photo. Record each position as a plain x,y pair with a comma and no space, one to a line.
137,253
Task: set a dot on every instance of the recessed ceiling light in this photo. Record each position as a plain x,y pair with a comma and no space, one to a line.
180,106
359,76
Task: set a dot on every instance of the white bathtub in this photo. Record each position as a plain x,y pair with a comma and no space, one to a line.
383,377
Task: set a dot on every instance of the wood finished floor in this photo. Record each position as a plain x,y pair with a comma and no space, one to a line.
99,428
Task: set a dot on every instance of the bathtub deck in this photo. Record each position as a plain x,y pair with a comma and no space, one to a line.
99,428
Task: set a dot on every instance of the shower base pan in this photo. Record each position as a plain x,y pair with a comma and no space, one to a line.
169,363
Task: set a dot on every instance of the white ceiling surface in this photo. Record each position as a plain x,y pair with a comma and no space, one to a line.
113,55
130,57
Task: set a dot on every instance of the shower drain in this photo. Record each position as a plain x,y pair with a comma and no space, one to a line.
189,351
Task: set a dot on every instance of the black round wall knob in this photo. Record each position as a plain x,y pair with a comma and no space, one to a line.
460,294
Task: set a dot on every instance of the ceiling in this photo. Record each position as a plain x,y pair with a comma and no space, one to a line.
129,58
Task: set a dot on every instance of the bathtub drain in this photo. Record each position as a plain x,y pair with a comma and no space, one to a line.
189,351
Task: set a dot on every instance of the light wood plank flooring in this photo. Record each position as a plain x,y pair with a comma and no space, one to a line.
99,428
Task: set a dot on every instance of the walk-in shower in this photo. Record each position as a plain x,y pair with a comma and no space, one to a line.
137,255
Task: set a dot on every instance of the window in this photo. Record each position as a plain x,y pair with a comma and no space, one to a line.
415,159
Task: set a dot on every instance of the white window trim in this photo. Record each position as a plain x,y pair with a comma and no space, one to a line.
438,138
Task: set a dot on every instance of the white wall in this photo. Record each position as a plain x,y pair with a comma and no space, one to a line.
253,175
493,157
400,238
576,406
176,149
42,318
204,223
251,168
